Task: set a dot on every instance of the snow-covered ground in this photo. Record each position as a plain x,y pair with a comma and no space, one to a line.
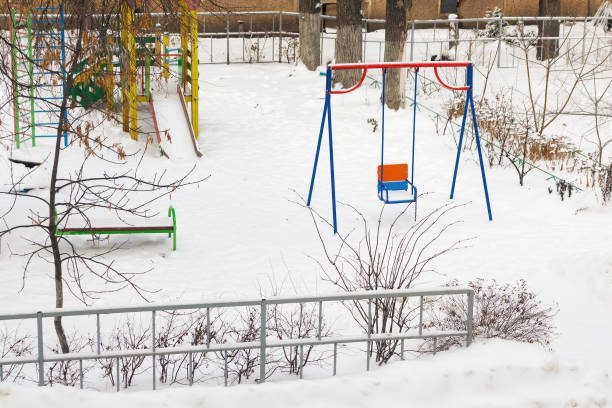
241,229
495,374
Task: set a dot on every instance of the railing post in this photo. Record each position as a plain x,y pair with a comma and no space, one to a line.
225,371
301,361
470,317
421,317
98,333
280,36
584,34
41,358
190,369
335,357
117,371
153,343
412,41
81,374
262,342
227,36
369,345
208,327
320,327
499,40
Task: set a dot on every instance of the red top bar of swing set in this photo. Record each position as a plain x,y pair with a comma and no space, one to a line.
384,65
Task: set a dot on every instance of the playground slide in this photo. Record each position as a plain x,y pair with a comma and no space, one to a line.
176,134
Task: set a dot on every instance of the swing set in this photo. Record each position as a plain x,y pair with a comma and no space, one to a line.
397,177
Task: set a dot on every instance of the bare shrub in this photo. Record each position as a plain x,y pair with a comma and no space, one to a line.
129,336
14,344
386,258
505,311
296,323
67,372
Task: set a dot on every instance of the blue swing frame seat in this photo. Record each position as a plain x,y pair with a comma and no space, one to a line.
385,186
405,185
394,177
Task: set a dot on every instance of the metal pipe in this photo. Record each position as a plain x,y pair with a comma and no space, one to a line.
41,357
262,341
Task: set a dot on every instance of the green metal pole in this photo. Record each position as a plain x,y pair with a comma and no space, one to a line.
148,76
16,113
31,74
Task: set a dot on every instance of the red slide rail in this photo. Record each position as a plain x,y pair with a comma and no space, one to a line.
389,65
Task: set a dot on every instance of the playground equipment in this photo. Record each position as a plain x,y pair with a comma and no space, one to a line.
125,229
394,177
137,55
38,59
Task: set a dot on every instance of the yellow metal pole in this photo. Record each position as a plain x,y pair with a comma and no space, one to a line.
128,56
166,60
194,74
132,86
125,105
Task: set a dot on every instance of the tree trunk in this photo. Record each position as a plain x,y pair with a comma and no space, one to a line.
63,124
395,42
348,40
310,48
548,48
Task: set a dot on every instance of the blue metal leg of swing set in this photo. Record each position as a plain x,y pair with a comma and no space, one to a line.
469,103
326,114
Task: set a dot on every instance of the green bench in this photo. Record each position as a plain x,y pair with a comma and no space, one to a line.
169,229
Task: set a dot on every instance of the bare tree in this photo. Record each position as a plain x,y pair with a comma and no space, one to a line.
395,41
78,193
310,49
348,40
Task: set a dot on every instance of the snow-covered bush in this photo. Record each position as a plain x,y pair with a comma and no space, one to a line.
511,34
508,311
387,257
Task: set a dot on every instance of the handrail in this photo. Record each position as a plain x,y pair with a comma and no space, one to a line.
264,340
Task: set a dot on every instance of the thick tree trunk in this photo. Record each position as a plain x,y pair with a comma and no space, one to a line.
395,42
548,48
348,40
310,48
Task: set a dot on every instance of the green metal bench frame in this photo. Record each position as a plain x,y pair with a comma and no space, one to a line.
125,230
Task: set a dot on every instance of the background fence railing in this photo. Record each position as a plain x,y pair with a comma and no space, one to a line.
264,343
269,36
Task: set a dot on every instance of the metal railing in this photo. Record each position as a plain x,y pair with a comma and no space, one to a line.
424,296
425,38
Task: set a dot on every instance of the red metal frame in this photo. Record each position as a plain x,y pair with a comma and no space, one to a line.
385,65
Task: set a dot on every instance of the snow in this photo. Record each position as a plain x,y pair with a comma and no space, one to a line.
494,374
241,229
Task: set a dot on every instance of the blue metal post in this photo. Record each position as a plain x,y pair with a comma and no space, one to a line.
316,160
469,100
414,112
482,170
328,87
460,144
382,136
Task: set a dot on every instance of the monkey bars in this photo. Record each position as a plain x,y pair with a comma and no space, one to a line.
435,65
